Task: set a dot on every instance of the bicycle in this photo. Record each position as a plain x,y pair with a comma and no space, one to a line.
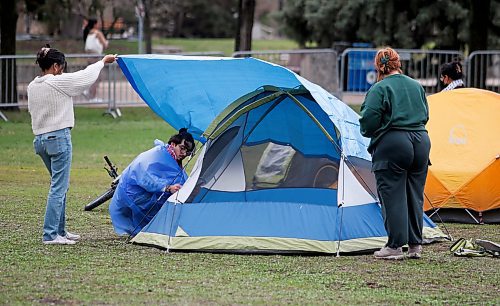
108,194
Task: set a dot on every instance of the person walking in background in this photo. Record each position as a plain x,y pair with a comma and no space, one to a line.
393,115
95,43
50,104
94,39
451,75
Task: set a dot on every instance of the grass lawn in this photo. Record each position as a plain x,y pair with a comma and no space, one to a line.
224,45
103,269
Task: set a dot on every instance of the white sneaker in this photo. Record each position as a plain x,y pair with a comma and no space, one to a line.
389,253
59,240
72,236
415,251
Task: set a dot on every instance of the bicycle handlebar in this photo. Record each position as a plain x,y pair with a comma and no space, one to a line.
112,169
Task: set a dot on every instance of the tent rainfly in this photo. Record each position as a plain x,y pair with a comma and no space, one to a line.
463,180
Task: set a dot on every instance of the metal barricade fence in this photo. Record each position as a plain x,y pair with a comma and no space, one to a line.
358,71
483,70
317,65
112,90
321,66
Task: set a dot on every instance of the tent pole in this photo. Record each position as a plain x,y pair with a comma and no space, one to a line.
341,203
434,212
169,243
472,216
440,220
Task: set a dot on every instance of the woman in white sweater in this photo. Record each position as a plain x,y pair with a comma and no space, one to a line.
50,104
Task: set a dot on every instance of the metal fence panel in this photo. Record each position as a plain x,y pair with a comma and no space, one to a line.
321,66
358,70
483,70
112,89
317,65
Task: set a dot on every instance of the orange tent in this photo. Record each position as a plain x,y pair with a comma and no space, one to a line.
463,183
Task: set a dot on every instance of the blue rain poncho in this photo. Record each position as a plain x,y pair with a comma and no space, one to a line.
140,192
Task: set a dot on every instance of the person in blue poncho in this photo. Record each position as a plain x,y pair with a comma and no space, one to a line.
148,182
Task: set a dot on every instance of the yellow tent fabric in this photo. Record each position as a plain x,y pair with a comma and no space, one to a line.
464,128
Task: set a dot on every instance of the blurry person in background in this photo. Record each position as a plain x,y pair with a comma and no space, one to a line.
95,43
451,75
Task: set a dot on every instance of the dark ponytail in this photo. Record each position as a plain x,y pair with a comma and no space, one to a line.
48,56
90,24
453,70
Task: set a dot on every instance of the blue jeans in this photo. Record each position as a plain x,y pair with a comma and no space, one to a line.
55,149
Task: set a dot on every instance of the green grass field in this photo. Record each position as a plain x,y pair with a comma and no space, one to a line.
104,269
224,45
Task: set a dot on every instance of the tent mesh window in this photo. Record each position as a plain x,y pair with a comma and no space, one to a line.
274,145
272,165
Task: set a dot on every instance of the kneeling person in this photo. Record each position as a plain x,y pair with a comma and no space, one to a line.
148,181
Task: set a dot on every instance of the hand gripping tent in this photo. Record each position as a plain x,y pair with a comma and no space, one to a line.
463,183
283,168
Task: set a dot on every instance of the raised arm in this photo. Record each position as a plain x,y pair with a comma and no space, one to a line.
74,83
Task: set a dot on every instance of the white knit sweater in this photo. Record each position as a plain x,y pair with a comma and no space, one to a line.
50,98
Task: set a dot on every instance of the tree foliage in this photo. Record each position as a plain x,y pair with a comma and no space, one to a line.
405,24
194,18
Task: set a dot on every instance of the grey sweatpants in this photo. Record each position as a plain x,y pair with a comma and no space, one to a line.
400,163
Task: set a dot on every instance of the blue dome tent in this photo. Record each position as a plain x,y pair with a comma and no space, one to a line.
283,167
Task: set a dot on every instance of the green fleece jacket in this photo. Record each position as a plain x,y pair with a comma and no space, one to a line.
396,103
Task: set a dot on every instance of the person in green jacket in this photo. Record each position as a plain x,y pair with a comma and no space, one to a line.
393,116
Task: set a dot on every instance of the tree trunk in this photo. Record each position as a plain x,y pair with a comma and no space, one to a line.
243,39
179,21
148,4
237,37
479,22
478,40
8,20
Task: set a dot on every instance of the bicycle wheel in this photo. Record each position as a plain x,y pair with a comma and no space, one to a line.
100,199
